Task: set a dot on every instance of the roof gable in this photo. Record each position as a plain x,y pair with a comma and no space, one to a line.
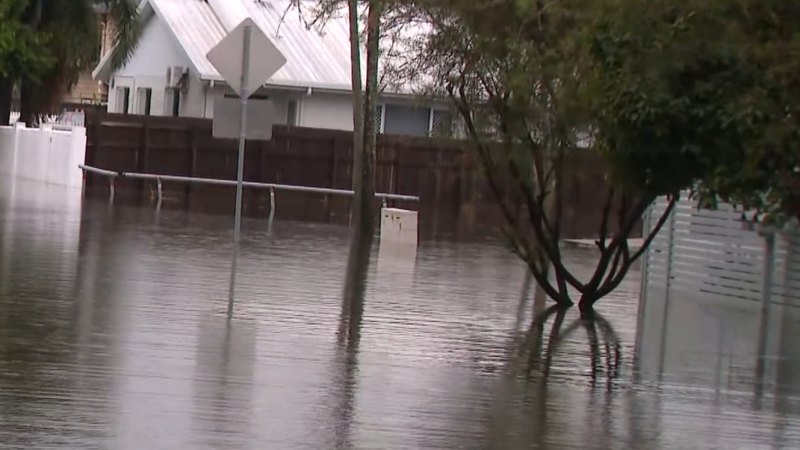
315,58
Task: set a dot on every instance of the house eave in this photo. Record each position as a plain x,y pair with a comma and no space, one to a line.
304,87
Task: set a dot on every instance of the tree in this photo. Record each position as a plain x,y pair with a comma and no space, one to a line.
68,29
711,87
673,95
768,177
23,52
517,74
365,95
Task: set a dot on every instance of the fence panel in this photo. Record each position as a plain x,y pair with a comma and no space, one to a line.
715,284
443,173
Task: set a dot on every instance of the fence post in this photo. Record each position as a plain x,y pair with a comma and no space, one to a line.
192,164
96,122
766,296
667,289
642,291
331,178
141,160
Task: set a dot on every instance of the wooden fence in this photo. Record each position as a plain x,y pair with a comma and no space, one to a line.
454,198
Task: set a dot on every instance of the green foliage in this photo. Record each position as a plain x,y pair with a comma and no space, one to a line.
68,31
701,95
127,29
23,51
520,75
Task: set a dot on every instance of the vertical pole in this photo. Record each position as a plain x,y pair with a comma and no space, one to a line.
645,267
272,205
667,294
766,296
240,169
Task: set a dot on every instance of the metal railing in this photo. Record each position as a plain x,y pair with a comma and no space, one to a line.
159,179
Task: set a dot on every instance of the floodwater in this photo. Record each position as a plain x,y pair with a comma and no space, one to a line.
113,335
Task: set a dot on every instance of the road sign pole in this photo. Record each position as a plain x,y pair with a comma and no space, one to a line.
237,226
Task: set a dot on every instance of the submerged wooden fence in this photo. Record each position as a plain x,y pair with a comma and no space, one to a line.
454,199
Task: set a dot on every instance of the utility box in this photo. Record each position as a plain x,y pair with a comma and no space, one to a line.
399,226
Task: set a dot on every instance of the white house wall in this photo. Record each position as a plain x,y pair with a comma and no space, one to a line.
157,51
329,111
193,99
279,98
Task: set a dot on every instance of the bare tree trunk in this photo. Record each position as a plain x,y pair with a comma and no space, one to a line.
367,194
27,103
540,296
357,87
362,219
6,90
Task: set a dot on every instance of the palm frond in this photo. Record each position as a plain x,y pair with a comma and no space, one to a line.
128,29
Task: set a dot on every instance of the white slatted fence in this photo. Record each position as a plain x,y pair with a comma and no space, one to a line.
713,273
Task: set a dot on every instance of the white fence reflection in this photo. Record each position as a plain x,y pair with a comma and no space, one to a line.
39,218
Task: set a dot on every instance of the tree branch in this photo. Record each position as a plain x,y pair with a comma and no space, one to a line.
538,273
604,220
535,214
627,222
606,289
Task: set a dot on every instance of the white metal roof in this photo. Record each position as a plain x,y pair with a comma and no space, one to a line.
316,57
196,28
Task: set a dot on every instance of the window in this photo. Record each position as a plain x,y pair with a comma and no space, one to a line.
172,102
407,120
123,99
441,123
291,113
144,100
379,113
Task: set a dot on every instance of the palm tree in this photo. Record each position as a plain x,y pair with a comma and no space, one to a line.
74,37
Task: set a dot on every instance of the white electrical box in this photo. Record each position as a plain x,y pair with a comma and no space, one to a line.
399,226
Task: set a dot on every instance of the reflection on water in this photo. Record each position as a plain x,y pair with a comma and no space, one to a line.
113,335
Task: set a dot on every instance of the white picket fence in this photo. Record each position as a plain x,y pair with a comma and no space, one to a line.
720,253
714,281
47,154
64,120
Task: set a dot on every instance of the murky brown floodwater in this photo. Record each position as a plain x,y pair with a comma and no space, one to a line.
113,336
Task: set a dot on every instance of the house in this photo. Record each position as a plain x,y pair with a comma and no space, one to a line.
87,89
170,75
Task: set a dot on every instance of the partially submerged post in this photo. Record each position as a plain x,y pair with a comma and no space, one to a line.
246,58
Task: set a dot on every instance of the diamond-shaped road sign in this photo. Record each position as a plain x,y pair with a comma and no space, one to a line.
265,58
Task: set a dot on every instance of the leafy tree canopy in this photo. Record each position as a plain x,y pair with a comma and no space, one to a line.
23,51
701,94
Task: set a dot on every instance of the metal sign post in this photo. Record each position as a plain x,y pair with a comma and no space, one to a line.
237,221
260,60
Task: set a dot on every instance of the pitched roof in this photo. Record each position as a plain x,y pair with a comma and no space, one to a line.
317,59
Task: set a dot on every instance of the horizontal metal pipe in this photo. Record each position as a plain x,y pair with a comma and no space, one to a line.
250,184
90,169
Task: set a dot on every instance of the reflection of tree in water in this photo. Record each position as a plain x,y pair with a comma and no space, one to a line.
537,403
348,340
540,358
